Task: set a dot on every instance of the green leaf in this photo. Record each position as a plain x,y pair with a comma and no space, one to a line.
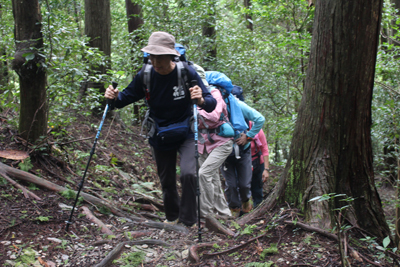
386,241
29,56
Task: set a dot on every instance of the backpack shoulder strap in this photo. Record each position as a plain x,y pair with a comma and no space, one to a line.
183,74
145,75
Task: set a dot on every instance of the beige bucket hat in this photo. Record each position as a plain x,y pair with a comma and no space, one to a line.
201,73
161,43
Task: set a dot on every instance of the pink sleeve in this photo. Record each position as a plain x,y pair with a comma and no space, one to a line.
215,115
264,146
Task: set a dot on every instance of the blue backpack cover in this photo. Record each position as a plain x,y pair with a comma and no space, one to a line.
224,84
178,47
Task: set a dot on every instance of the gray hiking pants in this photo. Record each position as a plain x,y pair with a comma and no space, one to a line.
212,199
175,207
237,174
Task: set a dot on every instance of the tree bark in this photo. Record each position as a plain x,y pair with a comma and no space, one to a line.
248,17
98,29
331,148
133,12
28,63
3,66
135,21
210,34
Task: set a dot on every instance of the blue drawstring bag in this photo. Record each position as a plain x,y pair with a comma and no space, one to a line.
224,84
221,81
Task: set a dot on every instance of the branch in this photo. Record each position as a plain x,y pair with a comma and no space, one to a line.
94,219
28,177
234,248
78,140
26,192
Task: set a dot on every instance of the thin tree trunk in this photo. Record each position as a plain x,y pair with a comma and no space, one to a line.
210,34
248,16
133,13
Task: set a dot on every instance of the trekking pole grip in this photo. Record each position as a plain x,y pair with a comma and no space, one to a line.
110,102
194,83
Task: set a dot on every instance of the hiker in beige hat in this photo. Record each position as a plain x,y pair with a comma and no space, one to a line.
166,86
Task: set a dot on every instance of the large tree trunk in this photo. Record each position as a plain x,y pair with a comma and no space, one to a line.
28,64
331,147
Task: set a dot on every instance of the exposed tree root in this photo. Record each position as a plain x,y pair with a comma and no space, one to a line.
159,225
94,219
137,234
193,255
234,248
116,252
263,208
28,177
214,225
148,207
26,192
356,255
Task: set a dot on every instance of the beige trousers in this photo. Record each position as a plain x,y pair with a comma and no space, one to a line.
212,198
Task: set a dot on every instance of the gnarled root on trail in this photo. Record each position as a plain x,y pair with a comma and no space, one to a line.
26,192
214,225
159,225
137,234
94,219
193,255
116,252
28,177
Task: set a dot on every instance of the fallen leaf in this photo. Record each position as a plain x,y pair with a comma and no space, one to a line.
42,262
13,154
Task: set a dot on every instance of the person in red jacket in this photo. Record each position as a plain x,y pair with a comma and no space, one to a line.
260,163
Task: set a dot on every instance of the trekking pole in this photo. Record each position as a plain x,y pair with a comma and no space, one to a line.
110,103
196,155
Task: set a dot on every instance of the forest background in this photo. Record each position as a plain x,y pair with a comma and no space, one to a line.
263,48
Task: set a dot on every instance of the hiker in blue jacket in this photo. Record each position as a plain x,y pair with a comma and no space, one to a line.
170,108
238,172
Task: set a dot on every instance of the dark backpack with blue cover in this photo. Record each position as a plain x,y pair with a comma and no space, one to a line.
224,84
238,92
236,118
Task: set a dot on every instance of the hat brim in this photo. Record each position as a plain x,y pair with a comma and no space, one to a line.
160,50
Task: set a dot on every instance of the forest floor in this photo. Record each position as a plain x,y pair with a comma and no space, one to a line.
122,174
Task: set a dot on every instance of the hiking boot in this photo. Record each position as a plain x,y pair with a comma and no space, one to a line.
171,222
235,212
247,206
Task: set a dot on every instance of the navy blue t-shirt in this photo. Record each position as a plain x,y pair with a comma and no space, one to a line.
168,103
